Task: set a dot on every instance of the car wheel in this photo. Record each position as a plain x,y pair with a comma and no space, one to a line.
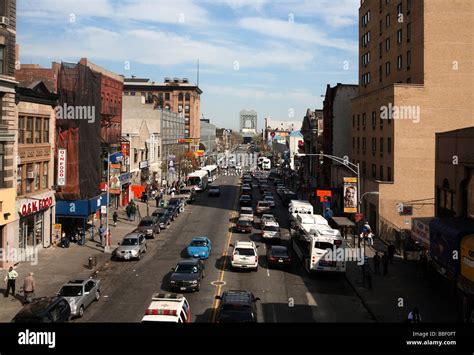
97,296
198,286
81,312
139,255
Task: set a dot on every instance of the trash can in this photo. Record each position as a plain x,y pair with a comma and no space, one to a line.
162,203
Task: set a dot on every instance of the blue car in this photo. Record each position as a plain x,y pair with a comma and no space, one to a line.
200,247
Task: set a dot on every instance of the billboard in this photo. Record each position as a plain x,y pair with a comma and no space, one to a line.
350,195
114,185
62,153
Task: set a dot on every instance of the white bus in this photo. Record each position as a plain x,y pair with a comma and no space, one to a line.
198,180
320,248
211,172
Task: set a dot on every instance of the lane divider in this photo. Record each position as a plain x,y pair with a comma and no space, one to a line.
224,256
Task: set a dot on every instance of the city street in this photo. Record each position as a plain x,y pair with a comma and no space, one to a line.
286,296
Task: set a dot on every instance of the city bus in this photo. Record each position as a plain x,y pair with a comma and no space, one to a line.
320,248
211,172
198,179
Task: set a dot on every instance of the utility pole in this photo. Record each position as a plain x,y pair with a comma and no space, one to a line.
107,246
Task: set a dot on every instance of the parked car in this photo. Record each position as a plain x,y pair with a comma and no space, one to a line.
133,245
271,231
163,216
270,200
189,193
244,255
45,310
173,211
149,226
237,306
278,256
80,294
243,225
200,247
245,200
263,207
214,190
177,203
187,275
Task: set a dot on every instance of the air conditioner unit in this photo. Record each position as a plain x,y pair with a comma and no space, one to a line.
4,20
31,175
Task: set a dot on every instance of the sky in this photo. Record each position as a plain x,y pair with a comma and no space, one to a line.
272,56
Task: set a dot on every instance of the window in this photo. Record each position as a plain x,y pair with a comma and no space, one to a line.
380,50
381,28
387,20
29,131
408,32
364,145
37,176
399,62
132,93
387,68
19,180
180,96
381,172
358,120
353,120
364,168
381,145
38,123
2,60
374,118
409,3
358,143
364,119
374,144
187,97
399,36
29,181
125,93
186,108
408,80
135,155
21,130
374,171
380,73
2,165
389,144
408,60
389,174
400,9
44,184
353,142
387,44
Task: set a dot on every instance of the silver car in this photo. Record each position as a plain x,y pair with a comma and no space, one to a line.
80,294
132,246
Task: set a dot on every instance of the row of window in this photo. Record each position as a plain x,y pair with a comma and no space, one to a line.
366,77
32,177
33,130
161,96
374,144
364,120
381,172
399,6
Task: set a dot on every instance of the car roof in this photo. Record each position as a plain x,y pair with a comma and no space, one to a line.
237,297
246,209
243,244
278,247
271,224
76,282
192,261
37,306
200,239
267,215
262,202
132,235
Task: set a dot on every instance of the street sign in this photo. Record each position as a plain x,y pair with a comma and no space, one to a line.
103,209
359,217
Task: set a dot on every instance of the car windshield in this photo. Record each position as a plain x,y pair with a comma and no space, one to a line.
282,252
323,245
71,291
199,243
263,204
244,251
236,313
173,202
130,241
186,269
245,197
270,229
243,222
146,223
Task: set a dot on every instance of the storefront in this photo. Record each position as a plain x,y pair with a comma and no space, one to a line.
125,181
36,216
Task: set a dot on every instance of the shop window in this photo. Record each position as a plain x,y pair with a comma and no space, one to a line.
45,130
37,176
29,130
44,184
38,123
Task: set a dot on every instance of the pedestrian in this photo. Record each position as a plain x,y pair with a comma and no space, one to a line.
385,263
82,235
101,233
377,263
115,218
127,211
133,211
391,252
414,316
29,287
157,199
10,279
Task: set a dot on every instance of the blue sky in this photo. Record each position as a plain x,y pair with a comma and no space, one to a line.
273,56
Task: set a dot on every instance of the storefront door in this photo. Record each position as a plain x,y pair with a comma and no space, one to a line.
31,234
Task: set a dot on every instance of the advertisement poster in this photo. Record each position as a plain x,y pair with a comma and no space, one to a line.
115,173
57,233
350,195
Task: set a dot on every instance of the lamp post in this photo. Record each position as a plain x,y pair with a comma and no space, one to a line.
107,246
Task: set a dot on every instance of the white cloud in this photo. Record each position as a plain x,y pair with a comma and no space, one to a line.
294,32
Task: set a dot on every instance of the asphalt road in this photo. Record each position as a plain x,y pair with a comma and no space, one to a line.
286,296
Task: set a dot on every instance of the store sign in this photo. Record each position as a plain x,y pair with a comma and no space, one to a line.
125,179
125,148
35,206
62,167
144,164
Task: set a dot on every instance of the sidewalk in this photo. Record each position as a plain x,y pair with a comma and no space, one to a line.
393,296
58,265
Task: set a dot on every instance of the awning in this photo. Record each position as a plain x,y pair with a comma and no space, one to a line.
80,208
343,222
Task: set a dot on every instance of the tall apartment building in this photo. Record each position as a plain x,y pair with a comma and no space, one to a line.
422,73
7,124
248,124
176,95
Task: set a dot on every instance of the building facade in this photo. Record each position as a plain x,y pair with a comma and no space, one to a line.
175,95
248,124
35,168
312,131
208,136
415,79
8,128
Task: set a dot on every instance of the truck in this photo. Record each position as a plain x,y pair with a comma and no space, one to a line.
167,308
297,207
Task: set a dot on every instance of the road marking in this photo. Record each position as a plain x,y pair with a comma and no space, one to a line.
311,300
224,255
218,283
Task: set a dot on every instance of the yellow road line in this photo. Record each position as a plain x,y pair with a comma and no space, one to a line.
224,255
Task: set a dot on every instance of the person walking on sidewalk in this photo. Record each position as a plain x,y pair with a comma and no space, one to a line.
10,279
157,199
127,211
385,263
133,211
391,252
115,218
377,263
101,233
29,287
